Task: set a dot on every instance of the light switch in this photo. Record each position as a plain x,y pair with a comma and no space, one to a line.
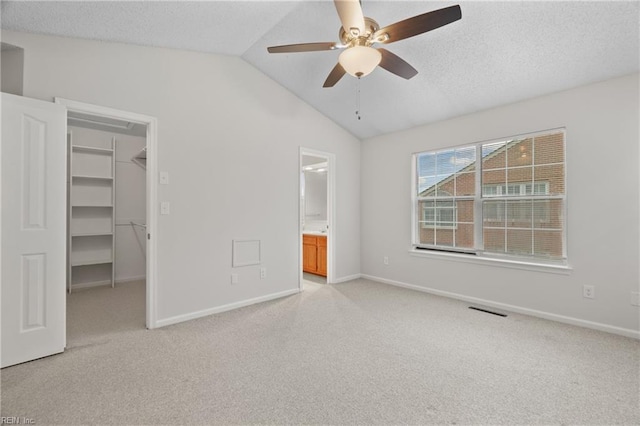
164,178
164,207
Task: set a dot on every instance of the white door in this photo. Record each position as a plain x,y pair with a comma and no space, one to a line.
33,229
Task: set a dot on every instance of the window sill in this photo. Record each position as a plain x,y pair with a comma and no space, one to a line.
503,263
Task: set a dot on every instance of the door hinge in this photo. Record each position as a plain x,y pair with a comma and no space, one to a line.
148,236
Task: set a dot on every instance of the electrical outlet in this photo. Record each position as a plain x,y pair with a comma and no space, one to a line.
165,207
234,278
589,291
635,298
386,260
263,273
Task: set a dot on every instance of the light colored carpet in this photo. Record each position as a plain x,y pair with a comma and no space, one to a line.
352,353
99,314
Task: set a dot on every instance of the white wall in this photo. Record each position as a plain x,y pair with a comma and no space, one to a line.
229,137
602,195
131,189
11,69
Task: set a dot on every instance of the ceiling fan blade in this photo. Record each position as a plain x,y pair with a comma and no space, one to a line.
350,13
417,25
302,47
396,65
334,76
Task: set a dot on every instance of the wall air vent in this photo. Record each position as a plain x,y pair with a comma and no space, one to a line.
487,311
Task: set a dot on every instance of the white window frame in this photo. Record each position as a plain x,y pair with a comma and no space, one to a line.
478,255
447,197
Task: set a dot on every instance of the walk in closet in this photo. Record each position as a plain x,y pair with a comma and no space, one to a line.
106,203
92,208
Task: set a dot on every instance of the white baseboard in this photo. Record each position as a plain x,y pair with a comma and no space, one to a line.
130,279
90,284
206,312
627,332
347,278
105,282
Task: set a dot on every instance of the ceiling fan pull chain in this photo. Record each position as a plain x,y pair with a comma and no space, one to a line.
358,99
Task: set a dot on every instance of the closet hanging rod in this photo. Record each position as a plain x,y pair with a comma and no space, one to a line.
138,224
128,223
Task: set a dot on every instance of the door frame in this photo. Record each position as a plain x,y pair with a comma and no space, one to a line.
331,211
151,190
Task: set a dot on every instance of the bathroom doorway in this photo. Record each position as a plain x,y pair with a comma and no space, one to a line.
316,218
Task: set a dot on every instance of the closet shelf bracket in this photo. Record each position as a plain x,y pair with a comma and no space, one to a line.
141,158
138,224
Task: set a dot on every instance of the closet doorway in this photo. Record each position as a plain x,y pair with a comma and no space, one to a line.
316,212
111,225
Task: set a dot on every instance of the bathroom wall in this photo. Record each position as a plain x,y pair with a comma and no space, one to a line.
315,201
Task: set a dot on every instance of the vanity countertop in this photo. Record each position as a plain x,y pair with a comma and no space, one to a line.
314,233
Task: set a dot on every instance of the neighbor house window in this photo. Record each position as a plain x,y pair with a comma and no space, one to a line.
504,198
439,214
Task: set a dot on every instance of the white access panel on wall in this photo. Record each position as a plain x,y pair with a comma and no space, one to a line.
33,229
245,253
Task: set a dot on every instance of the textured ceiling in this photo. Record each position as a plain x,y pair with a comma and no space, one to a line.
498,53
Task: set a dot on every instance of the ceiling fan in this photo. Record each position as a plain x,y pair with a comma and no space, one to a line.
359,33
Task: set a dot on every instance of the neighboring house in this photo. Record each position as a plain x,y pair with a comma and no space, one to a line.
519,178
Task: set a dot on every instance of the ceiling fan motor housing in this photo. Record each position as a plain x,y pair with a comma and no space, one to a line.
348,39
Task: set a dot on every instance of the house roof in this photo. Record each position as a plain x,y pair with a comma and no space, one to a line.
428,191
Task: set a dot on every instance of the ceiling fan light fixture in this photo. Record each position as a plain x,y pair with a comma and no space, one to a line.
360,60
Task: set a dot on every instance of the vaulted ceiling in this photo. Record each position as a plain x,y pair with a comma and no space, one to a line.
498,53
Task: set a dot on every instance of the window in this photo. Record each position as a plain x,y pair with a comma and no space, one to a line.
445,197
439,214
495,211
521,188
504,198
